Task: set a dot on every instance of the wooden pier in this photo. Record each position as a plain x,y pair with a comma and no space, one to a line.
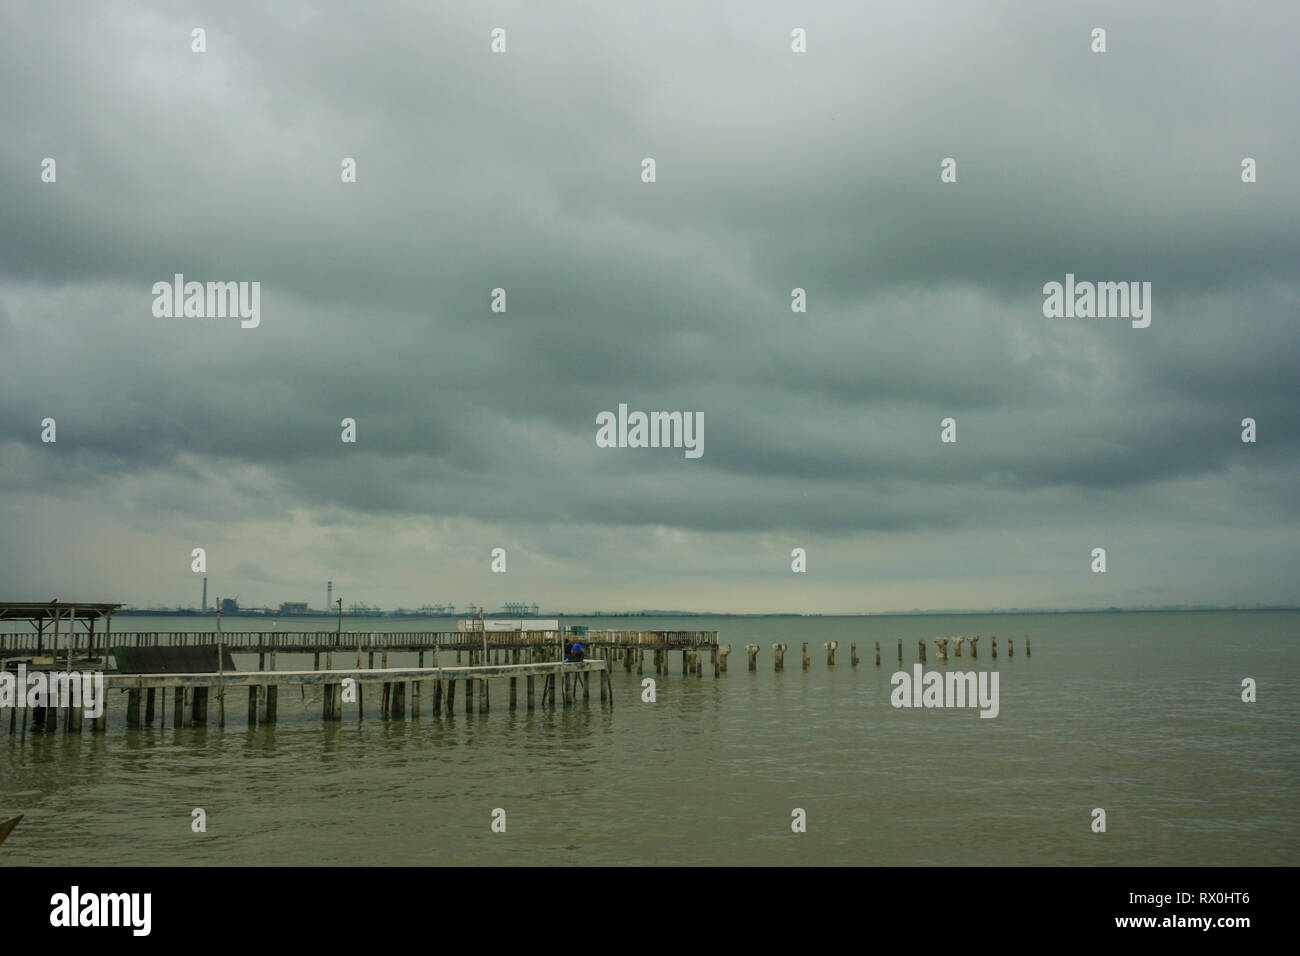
321,642
554,684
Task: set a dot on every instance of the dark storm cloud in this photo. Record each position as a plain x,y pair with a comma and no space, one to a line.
775,171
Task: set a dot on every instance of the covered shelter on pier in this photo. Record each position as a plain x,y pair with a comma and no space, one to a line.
49,617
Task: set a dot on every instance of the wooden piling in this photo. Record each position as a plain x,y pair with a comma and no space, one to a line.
752,651
853,653
995,648
972,641
484,696
607,687
877,653
778,655
830,652
514,693
397,703
722,657
252,706
149,706
920,649
273,702
586,686
178,708
805,655
132,708
199,710
900,650
531,683
1011,650
469,695
451,697
1026,645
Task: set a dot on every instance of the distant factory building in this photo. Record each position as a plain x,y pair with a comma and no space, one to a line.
293,607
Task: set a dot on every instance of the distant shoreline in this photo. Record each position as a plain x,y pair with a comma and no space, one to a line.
325,616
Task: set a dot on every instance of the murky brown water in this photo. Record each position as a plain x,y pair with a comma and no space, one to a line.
1140,714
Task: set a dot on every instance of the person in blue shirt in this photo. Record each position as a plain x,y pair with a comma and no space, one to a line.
576,654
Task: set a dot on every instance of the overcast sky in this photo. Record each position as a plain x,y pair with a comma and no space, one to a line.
775,170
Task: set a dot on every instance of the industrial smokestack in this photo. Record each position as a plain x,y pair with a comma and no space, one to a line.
329,595
205,593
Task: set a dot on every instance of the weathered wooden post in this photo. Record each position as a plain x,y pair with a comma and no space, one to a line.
920,647
469,695
133,708
514,692
438,691
853,653
608,683
199,712
397,704
877,653
252,705
149,706
178,708
272,703
959,641
1026,645
484,699
531,683
722,657
900,650
1011,650
943,647
972,641
830,652
778,654
995,647
752,651
451,696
